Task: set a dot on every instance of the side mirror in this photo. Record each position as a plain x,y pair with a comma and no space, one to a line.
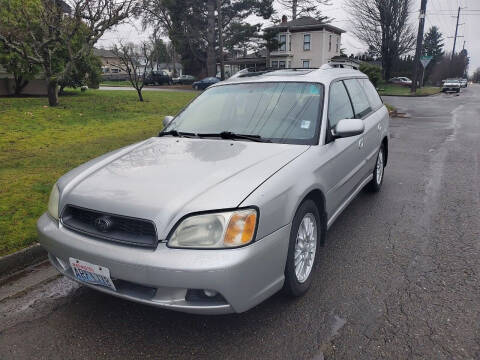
167,120
349,127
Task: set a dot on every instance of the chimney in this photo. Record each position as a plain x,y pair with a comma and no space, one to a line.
284,19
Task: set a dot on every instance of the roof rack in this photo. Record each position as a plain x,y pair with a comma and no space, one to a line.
247,73
341,62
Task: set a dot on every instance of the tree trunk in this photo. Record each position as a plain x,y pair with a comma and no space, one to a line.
19,84
140,96
52,89
220,39
211,61
294,9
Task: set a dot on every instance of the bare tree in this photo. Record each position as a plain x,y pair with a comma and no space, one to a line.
135,61
43,32
299,8
383,26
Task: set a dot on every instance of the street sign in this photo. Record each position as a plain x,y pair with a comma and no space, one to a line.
425,60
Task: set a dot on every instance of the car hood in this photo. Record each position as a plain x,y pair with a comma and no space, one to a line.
163,179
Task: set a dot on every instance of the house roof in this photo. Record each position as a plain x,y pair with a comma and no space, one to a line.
103,53
305,23
66,9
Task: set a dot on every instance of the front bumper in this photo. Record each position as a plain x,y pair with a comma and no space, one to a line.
243,277
450,88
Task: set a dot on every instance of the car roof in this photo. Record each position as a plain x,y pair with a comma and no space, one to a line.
324,75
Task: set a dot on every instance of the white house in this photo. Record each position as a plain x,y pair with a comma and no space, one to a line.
304,42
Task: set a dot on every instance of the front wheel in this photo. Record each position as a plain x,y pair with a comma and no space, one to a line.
378,172
305,236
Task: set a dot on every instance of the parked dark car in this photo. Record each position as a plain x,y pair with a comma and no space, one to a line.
184,80
205,83
159,77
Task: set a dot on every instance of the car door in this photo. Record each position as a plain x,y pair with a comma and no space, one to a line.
363,110
343,169
376,124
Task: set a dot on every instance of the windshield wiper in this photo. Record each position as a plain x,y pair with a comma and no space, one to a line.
232,136
177,133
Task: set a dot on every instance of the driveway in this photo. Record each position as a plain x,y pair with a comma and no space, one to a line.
399,277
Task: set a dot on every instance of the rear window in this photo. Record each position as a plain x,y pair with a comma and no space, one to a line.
372,94
360,102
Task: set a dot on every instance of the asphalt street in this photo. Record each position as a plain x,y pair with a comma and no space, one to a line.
399,277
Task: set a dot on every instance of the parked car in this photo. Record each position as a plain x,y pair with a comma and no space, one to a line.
401,80
205,83
451,85
259,168
463,82
184,80
158,77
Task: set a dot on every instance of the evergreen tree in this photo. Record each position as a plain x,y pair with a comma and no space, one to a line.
433,44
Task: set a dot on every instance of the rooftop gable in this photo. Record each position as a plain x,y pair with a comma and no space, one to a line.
305,23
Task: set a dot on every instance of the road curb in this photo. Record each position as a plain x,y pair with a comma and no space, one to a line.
21,259
414,96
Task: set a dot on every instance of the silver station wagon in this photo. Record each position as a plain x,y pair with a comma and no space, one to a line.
231,202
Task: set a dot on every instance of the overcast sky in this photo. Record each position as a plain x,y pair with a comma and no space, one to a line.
441,13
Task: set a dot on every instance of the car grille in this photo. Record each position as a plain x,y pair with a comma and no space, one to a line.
111,227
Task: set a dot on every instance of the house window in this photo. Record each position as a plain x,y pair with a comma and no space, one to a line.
274,64
338,44
306,64
115,71
306,42
329,42
283,42
290,43
281,64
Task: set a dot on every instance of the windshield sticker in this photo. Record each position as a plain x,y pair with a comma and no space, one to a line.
305,124
314,90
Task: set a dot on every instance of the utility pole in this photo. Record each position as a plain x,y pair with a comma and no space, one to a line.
456,32
418,51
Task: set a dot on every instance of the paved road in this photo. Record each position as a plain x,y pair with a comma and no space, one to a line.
399,277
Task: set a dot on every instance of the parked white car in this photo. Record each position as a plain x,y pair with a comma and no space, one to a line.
401,80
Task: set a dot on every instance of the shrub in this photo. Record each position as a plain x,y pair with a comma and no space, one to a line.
373,72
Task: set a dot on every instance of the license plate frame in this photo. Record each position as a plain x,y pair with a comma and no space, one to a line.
92,274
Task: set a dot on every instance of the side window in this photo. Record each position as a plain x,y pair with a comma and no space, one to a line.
339,106
372,94
360,102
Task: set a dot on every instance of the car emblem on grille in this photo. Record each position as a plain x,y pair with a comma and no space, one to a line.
103,224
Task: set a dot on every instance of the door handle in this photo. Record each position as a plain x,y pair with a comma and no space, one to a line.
361,143
379,127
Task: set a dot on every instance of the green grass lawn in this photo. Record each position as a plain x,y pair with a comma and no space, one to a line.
392,89
38,144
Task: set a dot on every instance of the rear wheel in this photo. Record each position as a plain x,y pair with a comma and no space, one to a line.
305,236
378,172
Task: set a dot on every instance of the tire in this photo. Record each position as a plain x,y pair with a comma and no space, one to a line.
458,90
378,172
297,282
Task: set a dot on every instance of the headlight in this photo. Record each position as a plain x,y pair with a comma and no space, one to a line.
53,202
218,230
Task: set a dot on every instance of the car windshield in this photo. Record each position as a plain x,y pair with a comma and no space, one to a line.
283,112
452,80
